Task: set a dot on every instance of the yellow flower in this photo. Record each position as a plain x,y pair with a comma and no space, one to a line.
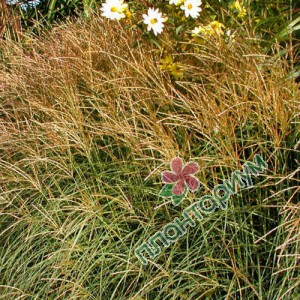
212,29
239,8
235,5
168,64
242,13
176,71
128,14
217,27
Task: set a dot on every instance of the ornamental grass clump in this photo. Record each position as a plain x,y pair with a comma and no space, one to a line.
89,120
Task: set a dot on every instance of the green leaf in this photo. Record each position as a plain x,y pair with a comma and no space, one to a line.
291,28
179,29
176,200
166,191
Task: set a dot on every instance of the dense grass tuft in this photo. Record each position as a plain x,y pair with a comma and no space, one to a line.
87,123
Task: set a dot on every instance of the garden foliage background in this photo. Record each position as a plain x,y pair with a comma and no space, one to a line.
93,110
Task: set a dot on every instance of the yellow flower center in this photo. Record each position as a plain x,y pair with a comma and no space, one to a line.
114,9
153,21
190,6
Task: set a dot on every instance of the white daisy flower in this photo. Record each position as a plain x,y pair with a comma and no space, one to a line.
192,8
176,2
197,31
114,9
154,20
